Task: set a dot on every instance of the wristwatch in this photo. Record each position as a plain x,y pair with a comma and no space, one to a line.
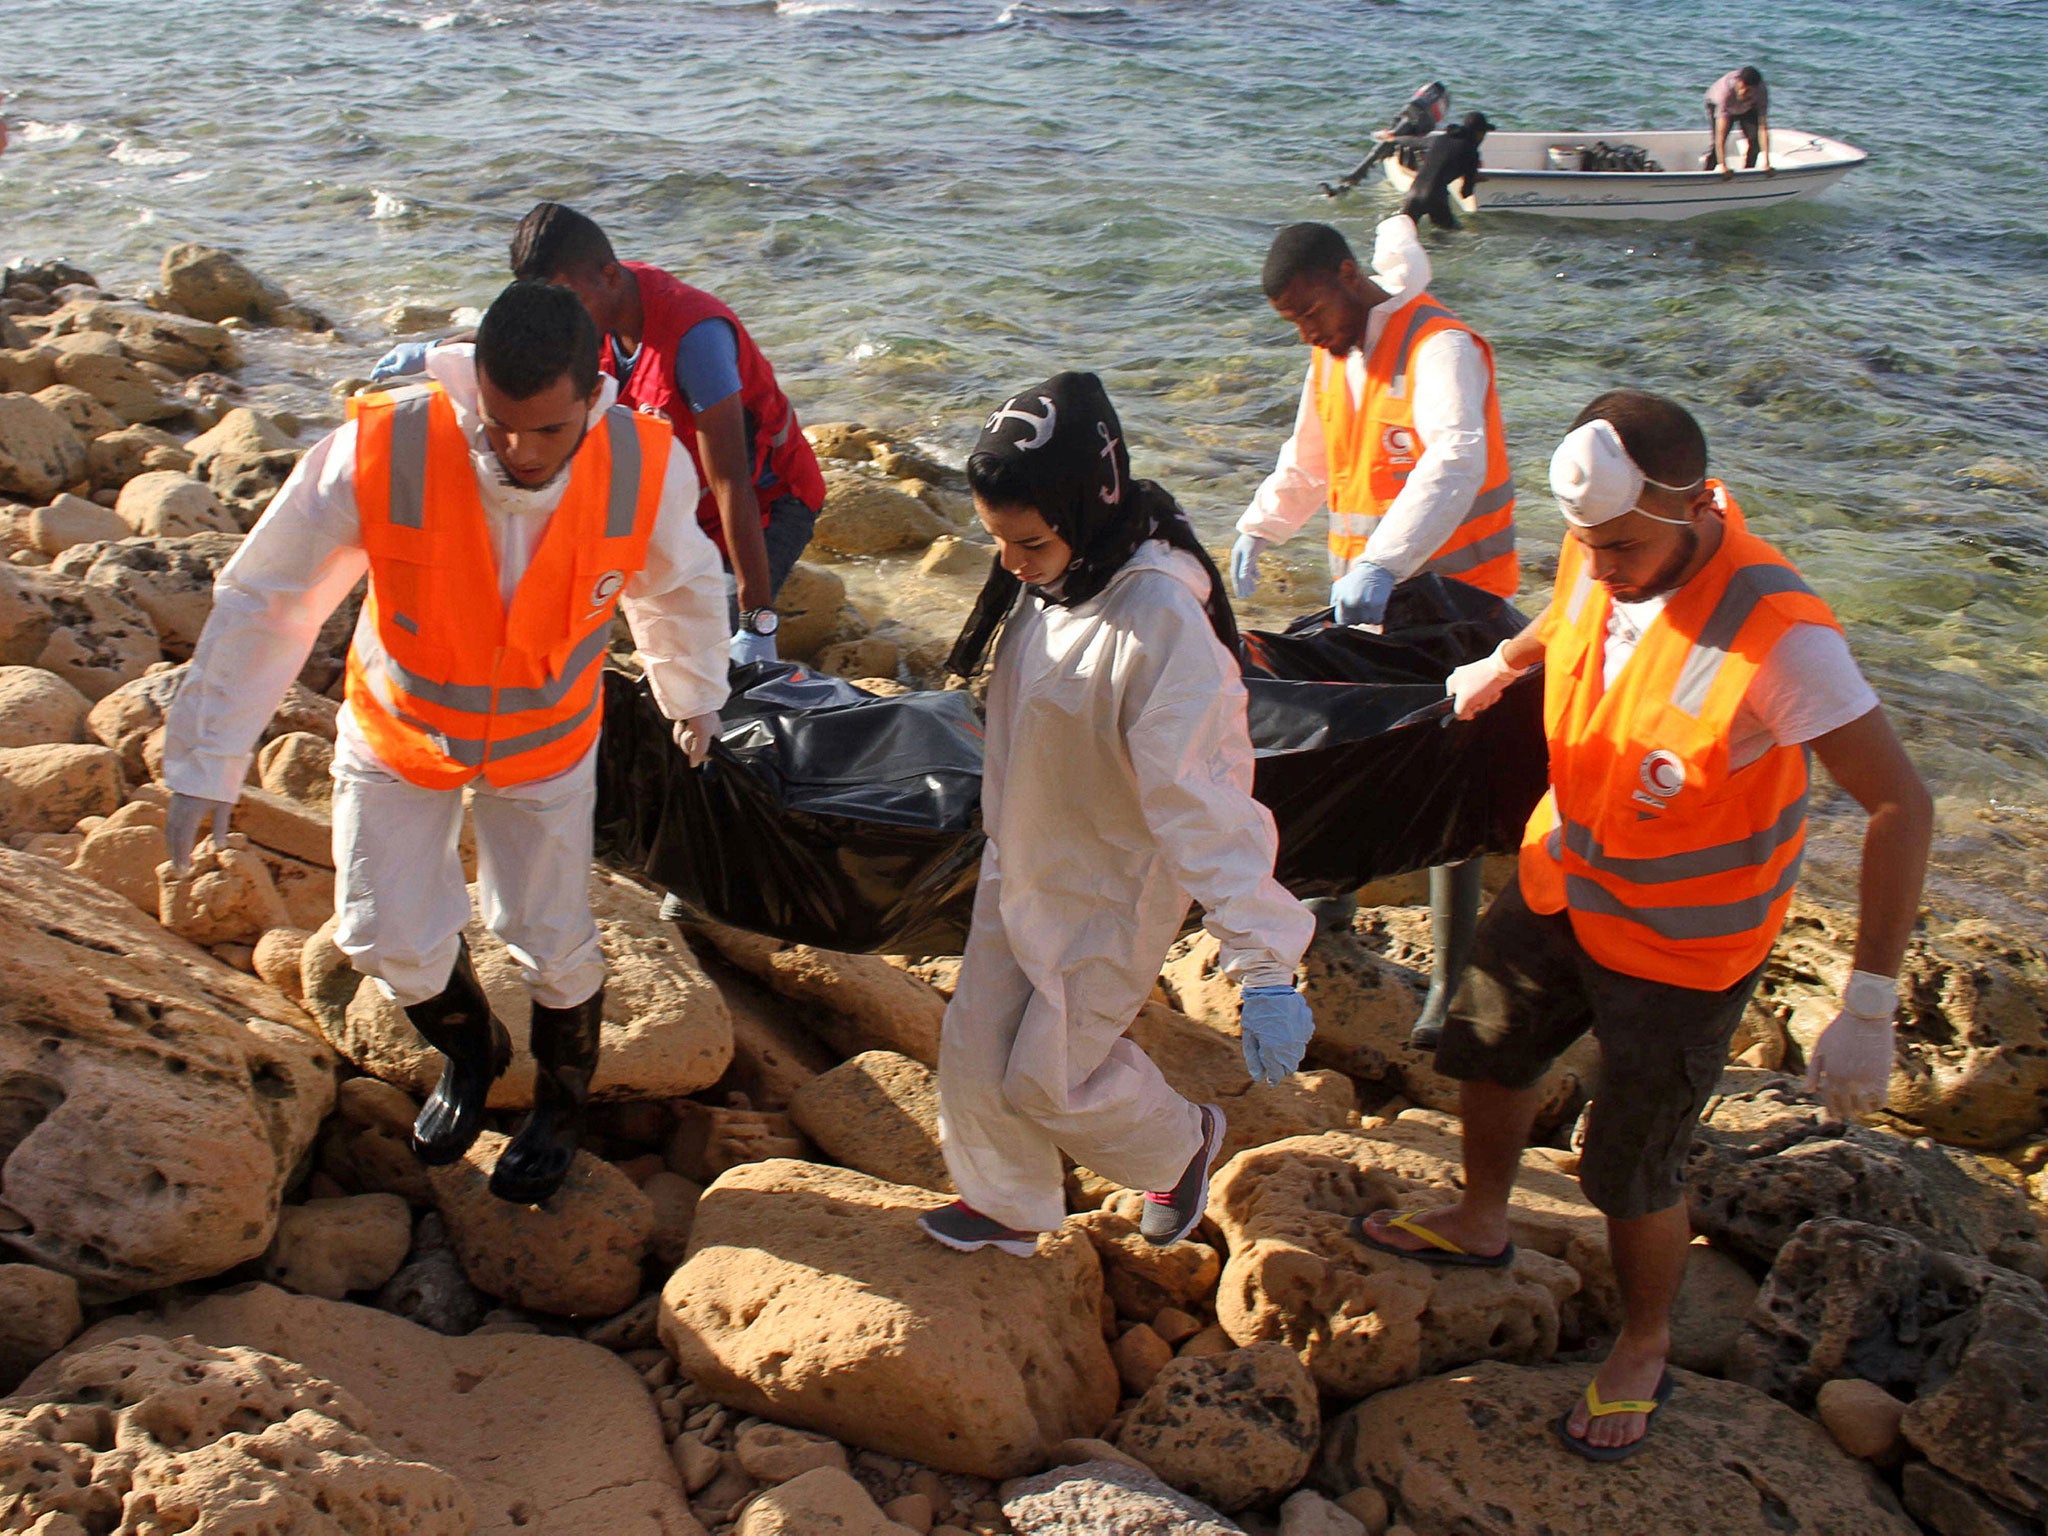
760,621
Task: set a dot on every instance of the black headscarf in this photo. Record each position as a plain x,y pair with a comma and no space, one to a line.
1058,447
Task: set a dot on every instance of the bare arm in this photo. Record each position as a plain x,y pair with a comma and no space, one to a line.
729,471
1866,759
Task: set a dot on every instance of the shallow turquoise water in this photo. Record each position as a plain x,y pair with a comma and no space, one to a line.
919,207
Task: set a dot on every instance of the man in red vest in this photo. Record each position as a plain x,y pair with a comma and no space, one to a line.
503,513
682,352
1688,671
1399,435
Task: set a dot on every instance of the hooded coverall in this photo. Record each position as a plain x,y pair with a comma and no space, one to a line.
399,888
1117,785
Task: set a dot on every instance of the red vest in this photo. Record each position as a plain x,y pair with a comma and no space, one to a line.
669,307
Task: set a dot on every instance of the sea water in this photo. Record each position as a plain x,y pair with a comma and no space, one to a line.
921,206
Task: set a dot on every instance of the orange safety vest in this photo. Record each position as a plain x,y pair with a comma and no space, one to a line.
445,683
1673,868
1372,449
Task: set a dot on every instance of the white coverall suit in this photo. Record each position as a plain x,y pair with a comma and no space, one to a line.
400,894
1117,784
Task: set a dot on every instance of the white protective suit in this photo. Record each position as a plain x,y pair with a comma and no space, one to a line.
399,891
1117,784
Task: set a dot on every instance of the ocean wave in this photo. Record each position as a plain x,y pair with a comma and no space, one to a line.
389,205
128,152
440,23
1023,10
33,132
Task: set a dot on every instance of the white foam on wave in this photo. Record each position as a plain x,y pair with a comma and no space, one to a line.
440,23
837,8
1018,10
33,132
865,350
389,205
185,176
128,152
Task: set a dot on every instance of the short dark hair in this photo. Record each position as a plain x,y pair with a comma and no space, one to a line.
1659,434
1299,250
532,334
1003,479
1750,76
554,238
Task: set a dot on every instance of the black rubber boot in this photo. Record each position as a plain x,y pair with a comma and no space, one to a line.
457,1022
564,1056
1454,895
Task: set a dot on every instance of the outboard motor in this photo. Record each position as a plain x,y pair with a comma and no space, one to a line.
1423,113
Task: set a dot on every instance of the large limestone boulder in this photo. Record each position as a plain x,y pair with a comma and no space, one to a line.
39,1315
170,579
344,1243
212,284
1972,1064
240,431
227,897
1206,1066
72,520
118,457
1361,1320
857,1002
1106,1498
550,1436
95,363
99,637
811,1298
48,788
246,482
863,515
878,1112
164,504
1965,1340
825,1501
144,1433
156,1101
576,1256
88,418
25,617
39,708
27,370
1767,1159
1234,1429
177,342
1143,1277
808,604
39,453
666,1031
1475,1451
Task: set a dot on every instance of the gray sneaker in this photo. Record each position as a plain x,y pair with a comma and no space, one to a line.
962,1228
1171,1214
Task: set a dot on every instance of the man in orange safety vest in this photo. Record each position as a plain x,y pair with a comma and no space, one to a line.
1688,672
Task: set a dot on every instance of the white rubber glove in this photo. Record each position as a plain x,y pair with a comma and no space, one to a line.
182,822
1477,684
1850,1066
1244,564
694,737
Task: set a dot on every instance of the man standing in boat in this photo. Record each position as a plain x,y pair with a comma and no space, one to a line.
1739,99
1399,435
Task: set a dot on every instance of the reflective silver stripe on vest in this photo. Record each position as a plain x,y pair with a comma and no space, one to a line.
473,754
1475,554
1746,588
409,462
1748,852
1721,921
1582,588
479,698
1397,385
625,486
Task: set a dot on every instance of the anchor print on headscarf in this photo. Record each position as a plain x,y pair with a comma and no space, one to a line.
1042,426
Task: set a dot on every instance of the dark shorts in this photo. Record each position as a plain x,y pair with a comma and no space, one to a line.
1533,990
787,534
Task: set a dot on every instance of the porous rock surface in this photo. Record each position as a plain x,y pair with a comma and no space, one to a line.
811,1298
1476,1450
153,1102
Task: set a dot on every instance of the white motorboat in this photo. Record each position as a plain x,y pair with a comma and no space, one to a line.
1540,173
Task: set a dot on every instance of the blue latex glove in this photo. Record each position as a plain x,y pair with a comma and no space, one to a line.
406,357
748,647
1360,594
1276,1026
1244,563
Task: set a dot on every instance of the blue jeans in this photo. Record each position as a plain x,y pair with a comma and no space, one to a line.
787,535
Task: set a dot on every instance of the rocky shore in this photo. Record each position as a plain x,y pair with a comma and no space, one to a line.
238,1305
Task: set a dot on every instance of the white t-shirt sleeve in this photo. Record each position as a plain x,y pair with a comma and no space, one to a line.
1808,686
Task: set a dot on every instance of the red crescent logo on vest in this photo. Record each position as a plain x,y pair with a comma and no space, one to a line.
1398,443
607,588
1662,773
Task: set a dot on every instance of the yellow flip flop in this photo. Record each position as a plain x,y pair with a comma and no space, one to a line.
1441,1249
1600,1409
